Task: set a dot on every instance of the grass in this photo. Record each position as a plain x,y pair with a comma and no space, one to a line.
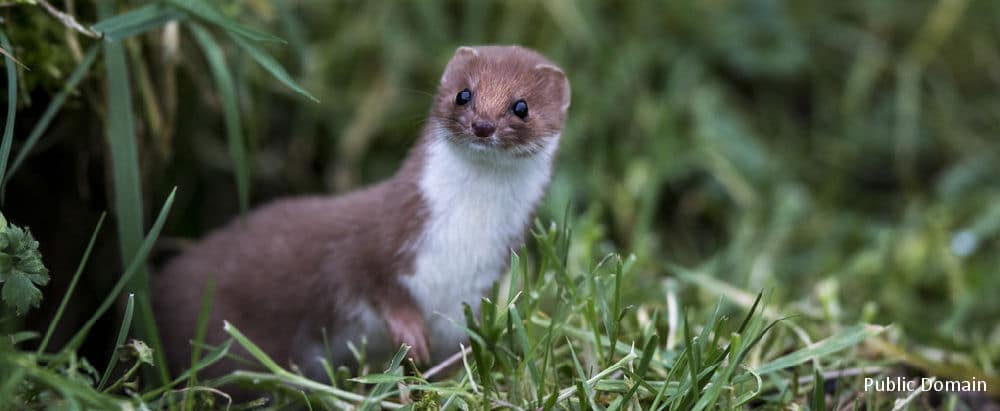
558,354
769,200
548,337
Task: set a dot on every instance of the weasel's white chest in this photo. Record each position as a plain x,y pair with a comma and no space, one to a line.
476,213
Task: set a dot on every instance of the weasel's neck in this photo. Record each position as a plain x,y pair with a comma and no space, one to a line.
482,192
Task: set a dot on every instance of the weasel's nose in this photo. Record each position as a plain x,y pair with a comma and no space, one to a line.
483,128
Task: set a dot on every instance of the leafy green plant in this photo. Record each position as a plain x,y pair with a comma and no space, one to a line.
21,268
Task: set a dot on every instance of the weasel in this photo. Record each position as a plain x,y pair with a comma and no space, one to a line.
392,263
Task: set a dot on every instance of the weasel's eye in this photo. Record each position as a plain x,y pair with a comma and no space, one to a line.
520,109
463,97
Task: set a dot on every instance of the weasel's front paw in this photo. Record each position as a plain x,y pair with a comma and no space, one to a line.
410,330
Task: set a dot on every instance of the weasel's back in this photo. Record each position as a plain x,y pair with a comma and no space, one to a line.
276,251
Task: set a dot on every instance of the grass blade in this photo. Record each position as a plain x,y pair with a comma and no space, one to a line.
127,189
279,374
124,153
380,390
272,66
616,311
478,347
738,349
122,334
379,378
647,355
584,390
72,286
521,336
8,128
227,95
842,340
203,315
818,396
50,112
253,349
136,21
695,361
133,267
213,356
199,333
8,54
206,11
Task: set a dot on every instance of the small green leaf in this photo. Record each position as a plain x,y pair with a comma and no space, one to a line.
21,269
20,293
41,278
31,266
6,263
138,350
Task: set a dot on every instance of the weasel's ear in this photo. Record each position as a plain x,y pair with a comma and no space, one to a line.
556,76
465,52
462,55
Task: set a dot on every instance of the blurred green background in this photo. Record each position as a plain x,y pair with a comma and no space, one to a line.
841,155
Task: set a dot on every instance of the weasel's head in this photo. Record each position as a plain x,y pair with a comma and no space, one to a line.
501,99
